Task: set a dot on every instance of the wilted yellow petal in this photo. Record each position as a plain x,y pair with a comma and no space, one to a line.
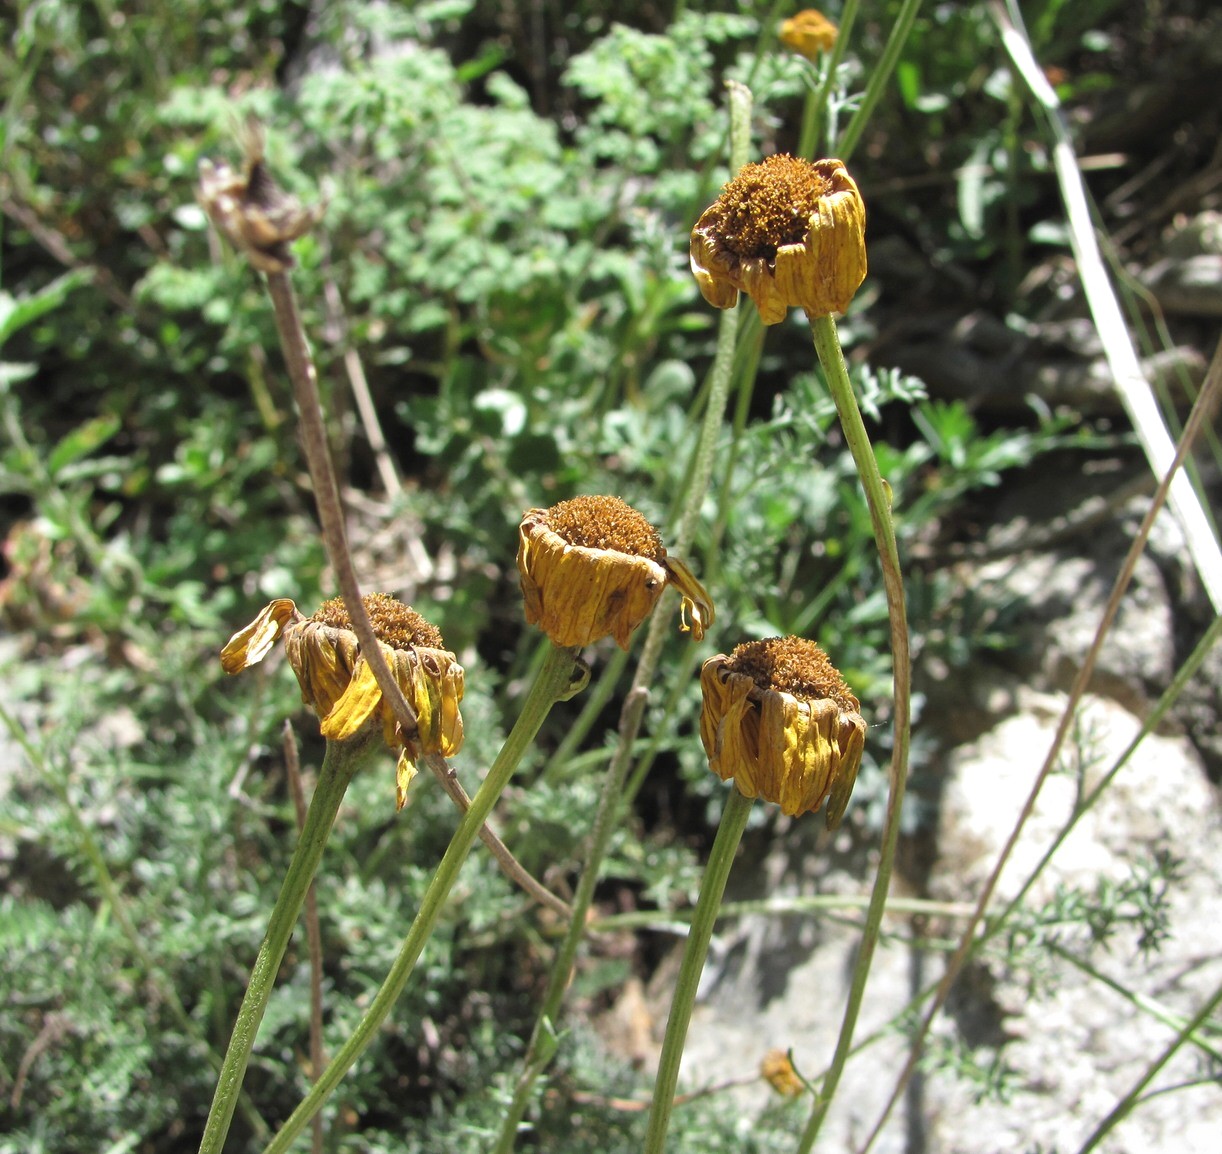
405,771
779,720
355,707
250,645
696,604
788,233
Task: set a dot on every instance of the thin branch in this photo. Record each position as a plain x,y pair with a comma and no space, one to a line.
338,321
967,941
304,377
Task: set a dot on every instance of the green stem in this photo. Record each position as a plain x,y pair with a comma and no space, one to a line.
543,1043
595,701
815,116
1139,1001
339,764
1125,1106
827,345
716,872
544,1040
552,684
880,77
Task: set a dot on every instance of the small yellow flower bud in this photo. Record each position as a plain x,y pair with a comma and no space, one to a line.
808,32
593,567
778,719
786,232
337,683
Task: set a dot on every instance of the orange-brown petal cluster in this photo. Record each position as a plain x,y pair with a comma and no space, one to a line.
594,567
338,684
779,720
788,233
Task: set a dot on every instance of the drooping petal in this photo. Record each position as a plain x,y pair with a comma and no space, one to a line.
696,613
405,771
779,720
250,645
355,707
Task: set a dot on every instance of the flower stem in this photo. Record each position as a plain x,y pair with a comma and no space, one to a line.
716,872
613,798
827,345
552,684
879,78
304,377
543,1041
339,764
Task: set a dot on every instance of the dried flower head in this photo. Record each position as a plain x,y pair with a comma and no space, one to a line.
594,567
778,1071
808,32
786,232
337,683
779,720
251,210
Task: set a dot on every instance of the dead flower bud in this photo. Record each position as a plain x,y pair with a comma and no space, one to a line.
786,232
778,719
808,32
593,567
251,210
337,683
778,1071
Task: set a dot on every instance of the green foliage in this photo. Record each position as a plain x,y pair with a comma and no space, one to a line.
507,238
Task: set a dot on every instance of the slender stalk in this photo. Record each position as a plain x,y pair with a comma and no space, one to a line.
797,905
712,887
968,940
1139,1001
304,376
1125,1105
815,116
543,1043
827,345
552,684
292,765
880,77
339,764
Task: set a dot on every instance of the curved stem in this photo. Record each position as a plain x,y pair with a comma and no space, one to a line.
716,872
552,684
827,345
339,764
968,939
